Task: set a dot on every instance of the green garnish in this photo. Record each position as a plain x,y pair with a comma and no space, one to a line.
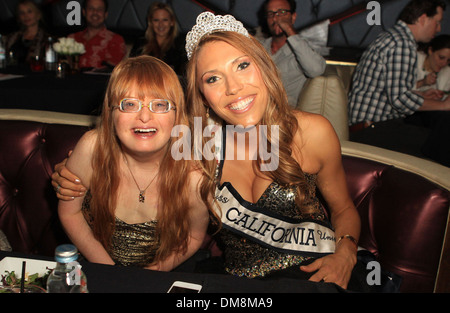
10,281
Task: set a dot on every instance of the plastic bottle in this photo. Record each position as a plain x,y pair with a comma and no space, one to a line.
67,277
50,56
2,54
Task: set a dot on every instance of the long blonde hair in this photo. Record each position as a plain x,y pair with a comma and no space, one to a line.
277,112
151,76
152,47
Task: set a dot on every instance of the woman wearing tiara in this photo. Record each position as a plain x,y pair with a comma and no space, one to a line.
269,220
233,79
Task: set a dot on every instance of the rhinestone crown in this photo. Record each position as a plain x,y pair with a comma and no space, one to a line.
208,23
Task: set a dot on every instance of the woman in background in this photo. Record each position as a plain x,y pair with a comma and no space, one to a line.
161,38
433,70
31,38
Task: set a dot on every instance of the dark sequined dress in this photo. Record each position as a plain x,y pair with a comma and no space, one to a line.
131,244
247,258
244,257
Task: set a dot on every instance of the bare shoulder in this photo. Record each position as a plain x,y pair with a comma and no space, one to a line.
199,214
311,123
79,161
88,139
314,129
195,180
315,141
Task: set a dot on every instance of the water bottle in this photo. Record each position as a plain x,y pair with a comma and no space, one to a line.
50,56
67,277
2,54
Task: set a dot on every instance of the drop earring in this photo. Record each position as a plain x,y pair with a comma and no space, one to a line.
207,112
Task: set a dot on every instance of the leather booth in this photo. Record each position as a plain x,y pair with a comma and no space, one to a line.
327,95
403,201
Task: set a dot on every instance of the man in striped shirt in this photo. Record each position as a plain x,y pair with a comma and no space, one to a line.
382,95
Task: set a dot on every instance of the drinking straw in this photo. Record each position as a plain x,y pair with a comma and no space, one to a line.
22,279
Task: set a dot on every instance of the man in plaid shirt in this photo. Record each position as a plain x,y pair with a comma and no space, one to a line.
382,99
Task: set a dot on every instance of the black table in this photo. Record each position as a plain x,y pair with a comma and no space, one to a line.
79,93
114,279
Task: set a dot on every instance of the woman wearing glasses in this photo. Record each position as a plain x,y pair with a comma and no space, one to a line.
130,216
271,222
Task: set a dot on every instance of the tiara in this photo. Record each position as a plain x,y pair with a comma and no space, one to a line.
208,23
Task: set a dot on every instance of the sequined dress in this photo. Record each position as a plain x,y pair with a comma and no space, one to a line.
131,244
244,257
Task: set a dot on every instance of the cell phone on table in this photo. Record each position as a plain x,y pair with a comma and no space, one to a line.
184,287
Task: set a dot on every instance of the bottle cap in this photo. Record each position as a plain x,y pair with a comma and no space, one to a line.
66,253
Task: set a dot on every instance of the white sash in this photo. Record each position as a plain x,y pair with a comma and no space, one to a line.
284,234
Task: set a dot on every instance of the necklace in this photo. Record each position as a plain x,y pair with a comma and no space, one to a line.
141,191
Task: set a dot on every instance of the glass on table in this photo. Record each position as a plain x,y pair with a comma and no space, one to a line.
37,63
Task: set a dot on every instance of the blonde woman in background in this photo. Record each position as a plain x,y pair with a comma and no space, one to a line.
162,38
31,38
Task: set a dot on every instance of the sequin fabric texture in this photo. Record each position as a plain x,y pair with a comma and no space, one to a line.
131,244
134,244
244,257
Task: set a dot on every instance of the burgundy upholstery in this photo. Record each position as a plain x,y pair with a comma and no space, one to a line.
403,215
403,220
28,205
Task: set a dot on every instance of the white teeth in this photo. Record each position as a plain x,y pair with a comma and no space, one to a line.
241,104
144,130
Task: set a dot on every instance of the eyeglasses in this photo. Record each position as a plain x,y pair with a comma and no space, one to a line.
155,105
280,12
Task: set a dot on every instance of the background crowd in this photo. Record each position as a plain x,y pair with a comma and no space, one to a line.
231,78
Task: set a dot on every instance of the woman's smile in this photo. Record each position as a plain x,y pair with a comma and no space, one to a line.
231,84
242,105
145,132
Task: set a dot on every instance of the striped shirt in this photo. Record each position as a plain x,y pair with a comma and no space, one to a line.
385,77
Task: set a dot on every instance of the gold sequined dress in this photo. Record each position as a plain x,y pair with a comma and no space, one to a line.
244,257
131,244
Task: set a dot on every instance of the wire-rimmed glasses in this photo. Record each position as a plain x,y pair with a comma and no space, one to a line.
128,105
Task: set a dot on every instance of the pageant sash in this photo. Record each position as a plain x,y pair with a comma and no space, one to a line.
293,236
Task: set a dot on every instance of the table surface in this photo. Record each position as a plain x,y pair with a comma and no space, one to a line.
113,279
79,93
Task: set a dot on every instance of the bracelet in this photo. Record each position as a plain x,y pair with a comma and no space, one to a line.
351,238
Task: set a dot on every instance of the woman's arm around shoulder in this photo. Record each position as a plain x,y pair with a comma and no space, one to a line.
79,162
70,212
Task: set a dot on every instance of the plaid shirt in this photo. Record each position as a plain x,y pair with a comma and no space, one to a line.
385,77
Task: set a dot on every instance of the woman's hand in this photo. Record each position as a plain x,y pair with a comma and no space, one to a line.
67,185
430,79
332,268
433,94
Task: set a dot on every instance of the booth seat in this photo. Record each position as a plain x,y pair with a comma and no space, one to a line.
327,95
403,201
